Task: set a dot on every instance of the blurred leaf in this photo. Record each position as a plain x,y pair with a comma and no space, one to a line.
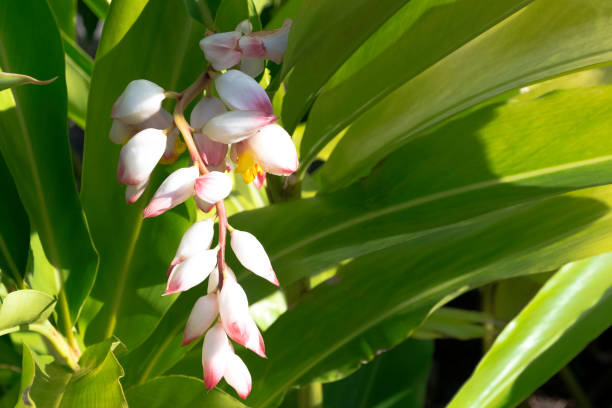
289,9
65,15
94,385
41,275
448,322
419,35
162,392
28,370
232,12
522,49
34,144
24,307
397,378
135,253
98,7
511,295
204,11
570,310
8,80
323,36
79,67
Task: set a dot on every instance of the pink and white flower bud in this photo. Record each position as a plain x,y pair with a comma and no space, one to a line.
196,239
212,153
139,156
237,375
244,26
252,255
201,317
140,100
241,92
204,206
174,190
234,126
275,41
133,192
216,350
213,187
252,47
191,272
120,132
273,149
162,119
213,279
236,319
221,49
207,108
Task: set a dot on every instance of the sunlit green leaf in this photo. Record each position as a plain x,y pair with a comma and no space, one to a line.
24,307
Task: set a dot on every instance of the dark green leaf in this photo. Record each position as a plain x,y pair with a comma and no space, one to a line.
232,12
98,7
204,11
65,15
79,67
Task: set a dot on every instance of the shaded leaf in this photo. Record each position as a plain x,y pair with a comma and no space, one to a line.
232,12
98,7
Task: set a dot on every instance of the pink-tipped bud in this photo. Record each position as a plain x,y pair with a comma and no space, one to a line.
133,192
120,132
212,153
237,375
241,92
201,317
204,206
214,186
140,100
174,190
207,108
197,238
252,255
216,350
139,156
234,126
191,272
252,47
221,49
273,149
275,42
213,279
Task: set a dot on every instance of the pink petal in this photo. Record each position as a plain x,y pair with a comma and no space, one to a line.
213,186
259,180
275,41
234,312
237,375
234,126
197,238
252,47
212,153
140,100
175,189
252,255
221,49
133,192
204,206
139,156
216,350
273,149
255,340
191,272
241,92
201,317
207,108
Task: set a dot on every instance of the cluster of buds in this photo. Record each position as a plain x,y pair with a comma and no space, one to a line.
234,128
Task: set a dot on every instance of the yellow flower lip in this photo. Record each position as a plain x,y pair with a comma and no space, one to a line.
248,168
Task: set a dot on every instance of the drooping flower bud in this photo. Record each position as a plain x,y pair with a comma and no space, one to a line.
204,206
215,352
213,187
140,100
191,272
139,156
237,375
197,238
221,49
213,279
212,152
252,255
251,47
241,92
120,132
201,317
234,126
174,145
133,192
174,190
275,41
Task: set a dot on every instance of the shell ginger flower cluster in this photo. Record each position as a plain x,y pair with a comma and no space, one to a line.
232,127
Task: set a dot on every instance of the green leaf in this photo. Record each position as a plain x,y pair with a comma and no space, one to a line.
65,15
14,229
24,307
323,36
79,67
8,80
28,369
397,378
454,323
95,384
522,49
232,12
135,253
162,392
203,11
570,310
420,34
98,7
34,144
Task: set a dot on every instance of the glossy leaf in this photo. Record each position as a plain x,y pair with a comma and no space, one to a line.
79,67
520,50
34,144
179,392
65,15
420,34
324,35
25,307
570,310
98,7
135,253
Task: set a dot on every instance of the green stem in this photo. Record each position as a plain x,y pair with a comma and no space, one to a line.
310,396
487,294
65,321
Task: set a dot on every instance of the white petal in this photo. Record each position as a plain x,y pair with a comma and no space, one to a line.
120,132
241,92
162,119
252,47
139,156
244,26
207,108
140,100
212,153
216,350
213,279
197,238
252,255
213,187
191,272
252,66
234,311
133,192
201,317
234,126
237,375
255,341
273,149
204,206
174,190
275,42
221,49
